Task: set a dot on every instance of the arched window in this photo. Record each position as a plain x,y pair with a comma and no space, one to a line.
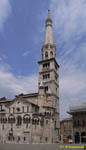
26,119
11,119
51,54
3,119
46,55
19,120
11,137
47,114
35,121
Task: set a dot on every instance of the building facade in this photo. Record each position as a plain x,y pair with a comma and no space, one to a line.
78,113
66,130
34,118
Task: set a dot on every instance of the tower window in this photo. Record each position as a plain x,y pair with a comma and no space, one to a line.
46,88
46,55
46,76
51,54
46,65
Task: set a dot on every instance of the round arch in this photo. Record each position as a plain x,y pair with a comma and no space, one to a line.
26,118
11,118
35,120
3,119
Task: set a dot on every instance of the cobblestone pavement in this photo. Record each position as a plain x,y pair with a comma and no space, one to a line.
40,147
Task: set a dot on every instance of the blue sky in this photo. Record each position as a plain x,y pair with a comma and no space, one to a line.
22,26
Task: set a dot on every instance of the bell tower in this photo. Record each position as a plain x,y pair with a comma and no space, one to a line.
48,77
48,67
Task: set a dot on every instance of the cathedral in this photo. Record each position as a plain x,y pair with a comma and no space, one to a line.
34,118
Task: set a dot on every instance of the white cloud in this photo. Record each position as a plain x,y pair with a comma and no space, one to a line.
72,80
72,89
72,85
26,53
5,10
11,85
69,19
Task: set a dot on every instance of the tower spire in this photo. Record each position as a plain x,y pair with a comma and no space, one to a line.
49,16
48,31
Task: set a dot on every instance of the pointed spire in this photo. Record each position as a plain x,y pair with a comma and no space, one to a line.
48,20
48,14
48,31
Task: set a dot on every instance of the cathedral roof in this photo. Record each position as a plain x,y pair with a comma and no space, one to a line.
2,99
6,101
28,95
32,98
